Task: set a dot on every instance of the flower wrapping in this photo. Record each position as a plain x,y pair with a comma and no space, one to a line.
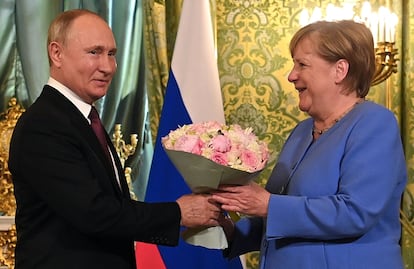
203,175
209,154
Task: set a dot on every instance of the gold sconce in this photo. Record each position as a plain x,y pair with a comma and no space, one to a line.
385,61
382,25
125,150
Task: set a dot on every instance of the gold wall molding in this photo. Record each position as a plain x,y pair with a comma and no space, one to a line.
8,237
8,120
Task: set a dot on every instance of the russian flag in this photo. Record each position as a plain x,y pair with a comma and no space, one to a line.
193,94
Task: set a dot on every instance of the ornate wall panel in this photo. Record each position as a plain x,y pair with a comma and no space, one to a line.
406,93
254,61
8,236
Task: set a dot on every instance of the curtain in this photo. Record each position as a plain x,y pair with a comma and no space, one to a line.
24,66
159,15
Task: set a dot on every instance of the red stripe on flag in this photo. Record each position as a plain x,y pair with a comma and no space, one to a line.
148,256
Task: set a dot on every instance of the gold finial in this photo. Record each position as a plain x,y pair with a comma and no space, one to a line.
124,151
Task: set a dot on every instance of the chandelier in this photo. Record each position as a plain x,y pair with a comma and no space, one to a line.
382,24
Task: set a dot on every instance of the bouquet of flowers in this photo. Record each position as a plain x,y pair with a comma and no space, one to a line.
208,154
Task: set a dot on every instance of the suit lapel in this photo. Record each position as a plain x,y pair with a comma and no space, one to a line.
82,125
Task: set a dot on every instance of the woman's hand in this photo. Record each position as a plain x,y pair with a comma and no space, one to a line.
250,199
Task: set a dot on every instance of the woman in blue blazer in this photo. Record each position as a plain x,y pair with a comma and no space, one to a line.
333,198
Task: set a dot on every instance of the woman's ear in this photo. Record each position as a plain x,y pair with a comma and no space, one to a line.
342,68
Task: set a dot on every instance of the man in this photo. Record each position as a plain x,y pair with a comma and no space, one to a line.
73,204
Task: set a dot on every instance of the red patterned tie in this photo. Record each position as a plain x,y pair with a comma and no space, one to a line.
99,130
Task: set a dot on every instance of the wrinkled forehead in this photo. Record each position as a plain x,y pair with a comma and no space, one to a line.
91,29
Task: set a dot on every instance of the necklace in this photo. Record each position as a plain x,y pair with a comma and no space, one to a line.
322,131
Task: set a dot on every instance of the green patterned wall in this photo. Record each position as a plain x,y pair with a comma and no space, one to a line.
254,60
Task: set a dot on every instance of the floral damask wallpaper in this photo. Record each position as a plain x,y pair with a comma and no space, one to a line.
254,61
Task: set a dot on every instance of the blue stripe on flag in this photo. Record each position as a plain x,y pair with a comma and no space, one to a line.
166,184
193,94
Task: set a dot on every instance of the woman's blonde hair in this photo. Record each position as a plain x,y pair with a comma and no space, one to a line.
348,40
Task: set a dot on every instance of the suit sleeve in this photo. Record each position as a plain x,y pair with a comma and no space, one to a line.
59,177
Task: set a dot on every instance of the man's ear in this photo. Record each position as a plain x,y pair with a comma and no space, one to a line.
342,68
55,53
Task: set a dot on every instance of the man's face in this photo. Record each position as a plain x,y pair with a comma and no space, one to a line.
88,61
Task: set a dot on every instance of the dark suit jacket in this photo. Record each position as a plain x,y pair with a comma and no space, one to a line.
71,212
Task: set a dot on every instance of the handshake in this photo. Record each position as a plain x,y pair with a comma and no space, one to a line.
199,210
209,210
208,225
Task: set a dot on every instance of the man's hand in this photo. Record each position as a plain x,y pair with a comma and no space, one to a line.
198,210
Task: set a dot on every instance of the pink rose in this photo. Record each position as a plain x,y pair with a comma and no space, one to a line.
228,145
188,143
250,160
221,143
219,158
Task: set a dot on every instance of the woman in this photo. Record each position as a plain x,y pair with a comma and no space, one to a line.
333,198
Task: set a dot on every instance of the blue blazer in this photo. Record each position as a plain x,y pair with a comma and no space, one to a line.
343,198
71,212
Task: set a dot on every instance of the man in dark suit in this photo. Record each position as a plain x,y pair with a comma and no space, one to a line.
73,204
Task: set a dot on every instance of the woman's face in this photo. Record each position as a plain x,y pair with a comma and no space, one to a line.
314,78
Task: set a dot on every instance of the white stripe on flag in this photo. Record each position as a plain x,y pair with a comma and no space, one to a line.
194,63
193,94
